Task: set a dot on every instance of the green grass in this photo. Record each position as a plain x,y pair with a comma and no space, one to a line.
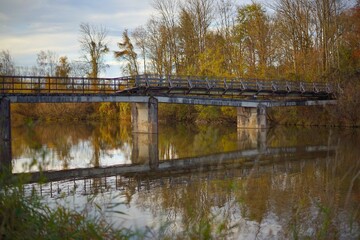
26,217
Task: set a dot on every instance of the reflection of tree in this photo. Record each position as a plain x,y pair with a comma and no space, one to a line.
186,141
321,194
293,136
108,136
59,138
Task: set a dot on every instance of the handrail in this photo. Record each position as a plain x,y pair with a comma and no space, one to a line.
153,83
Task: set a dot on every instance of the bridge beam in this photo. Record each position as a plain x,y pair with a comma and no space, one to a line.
251,117
144,116
5,134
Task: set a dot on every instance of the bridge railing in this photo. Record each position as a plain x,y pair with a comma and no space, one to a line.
156,84
69,85
224,86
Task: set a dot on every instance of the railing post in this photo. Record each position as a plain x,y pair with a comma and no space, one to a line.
39,86
83,85
5,135
72,85
13,85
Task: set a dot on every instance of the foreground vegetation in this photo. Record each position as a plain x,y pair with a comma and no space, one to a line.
27,217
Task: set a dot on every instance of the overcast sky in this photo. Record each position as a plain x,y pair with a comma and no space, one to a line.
29,26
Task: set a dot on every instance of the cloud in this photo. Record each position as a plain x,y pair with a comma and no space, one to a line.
27,27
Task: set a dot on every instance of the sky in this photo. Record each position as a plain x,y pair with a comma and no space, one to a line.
30,26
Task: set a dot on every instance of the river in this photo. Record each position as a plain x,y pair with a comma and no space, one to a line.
193,181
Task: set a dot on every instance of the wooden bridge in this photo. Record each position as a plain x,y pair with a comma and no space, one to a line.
251,96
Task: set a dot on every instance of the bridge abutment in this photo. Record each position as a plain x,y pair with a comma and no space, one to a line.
251,117
5,134
144,116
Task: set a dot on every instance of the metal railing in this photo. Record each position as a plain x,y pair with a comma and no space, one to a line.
61,85
153,84
224,86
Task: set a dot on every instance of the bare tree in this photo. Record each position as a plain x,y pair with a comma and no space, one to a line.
140,36
167,9
7,66
94,47
46,63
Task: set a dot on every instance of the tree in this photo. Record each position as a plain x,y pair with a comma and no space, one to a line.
188,44
94,47
140,36
253,34
156,46
226,11
202,13
63,68
46,63
168,19
7,66
128,54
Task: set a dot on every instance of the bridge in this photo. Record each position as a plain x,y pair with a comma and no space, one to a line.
251,97
245,158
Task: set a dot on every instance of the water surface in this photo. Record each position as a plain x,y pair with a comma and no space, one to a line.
277,184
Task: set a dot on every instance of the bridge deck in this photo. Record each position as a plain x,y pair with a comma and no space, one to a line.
155,85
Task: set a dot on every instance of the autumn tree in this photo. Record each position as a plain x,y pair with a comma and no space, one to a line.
188,44
63,67
202,14
226,18
128,54
167,19
63,70
94,47
349,46
157,47
254,39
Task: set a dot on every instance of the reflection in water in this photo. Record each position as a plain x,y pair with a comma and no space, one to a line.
67,146
311,193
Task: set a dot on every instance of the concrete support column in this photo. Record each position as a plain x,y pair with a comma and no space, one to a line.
251,117
252,138
144,119
144,116
145,149
5,134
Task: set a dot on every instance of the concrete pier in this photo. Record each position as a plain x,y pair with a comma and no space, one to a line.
5,134
251,117
145,149
144,116
144,120
252,138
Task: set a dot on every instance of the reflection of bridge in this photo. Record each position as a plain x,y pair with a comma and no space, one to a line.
219,161
251,97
